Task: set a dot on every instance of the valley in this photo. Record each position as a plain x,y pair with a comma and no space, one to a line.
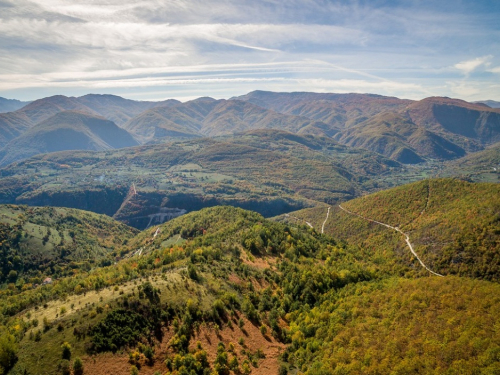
269,233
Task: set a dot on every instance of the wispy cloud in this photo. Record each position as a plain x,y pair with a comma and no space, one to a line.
128,46
467,67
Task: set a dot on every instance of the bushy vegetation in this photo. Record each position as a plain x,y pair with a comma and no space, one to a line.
427,325
8,351
270,172
37,242
453,225
339,308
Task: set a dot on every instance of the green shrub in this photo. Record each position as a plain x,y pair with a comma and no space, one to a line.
78,366
66,350
8,352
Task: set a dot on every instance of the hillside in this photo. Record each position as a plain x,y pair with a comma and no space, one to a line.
233,116
337,110
399,139
212,302
179,176
118,109
9,105
42,109
180,121
468,125
14,124
209,117
69,130
37,242
481,166
400,326
11,126
452,224
225,290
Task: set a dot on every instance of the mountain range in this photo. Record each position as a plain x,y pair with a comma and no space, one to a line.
68,130
490,103
9,105
410,132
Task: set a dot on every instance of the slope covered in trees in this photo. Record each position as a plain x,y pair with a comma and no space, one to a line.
452,224
36,242
222,288
267,171
422,326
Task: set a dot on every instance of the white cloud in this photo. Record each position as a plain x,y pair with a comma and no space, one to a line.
472,91
467,67
116,35
330,45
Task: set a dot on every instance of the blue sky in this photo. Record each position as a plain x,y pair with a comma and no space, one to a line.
160,49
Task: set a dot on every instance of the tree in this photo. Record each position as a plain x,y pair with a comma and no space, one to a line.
234,364
78,366
192,273
12,276
149,353
66,350
283,370
64,367
263,330
8,352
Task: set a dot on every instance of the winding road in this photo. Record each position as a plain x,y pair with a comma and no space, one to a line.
296,218
324,222
407,238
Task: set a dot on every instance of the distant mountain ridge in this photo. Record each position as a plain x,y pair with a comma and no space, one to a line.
489,103
68,130
404,130
111,107
209,117
9,105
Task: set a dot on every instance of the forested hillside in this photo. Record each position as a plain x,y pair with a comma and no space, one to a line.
69,130
37,242
453,225
224,290
371,263
267,171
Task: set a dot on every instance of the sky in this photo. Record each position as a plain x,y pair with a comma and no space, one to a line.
184,49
